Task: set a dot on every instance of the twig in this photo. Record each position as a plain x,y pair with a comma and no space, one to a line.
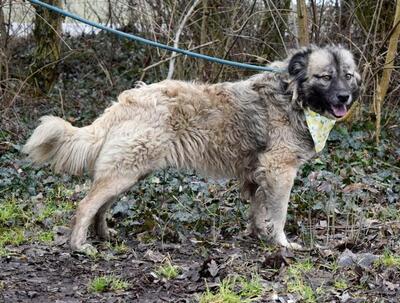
32,74
236,38
277,27
177,36
203,33
172,57
368,34
314,27
376,226
61,103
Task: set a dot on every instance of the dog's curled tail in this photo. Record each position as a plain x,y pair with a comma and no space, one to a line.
67,148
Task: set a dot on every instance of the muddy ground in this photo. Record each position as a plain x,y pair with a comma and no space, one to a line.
52,273
40,273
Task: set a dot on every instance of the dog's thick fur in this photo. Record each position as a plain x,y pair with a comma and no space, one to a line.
253,130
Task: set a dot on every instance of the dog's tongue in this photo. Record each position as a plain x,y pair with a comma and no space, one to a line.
339,110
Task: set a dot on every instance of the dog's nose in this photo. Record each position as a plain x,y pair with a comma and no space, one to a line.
343,98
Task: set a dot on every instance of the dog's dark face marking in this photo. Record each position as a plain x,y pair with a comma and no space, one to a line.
327,78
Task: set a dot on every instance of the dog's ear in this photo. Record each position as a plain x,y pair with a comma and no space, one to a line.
298,64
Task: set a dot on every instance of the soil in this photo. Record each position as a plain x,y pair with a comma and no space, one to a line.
52,273
40,273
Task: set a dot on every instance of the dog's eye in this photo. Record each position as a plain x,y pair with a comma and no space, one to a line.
326,78
348,76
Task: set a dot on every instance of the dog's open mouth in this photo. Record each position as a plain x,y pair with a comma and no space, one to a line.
339,110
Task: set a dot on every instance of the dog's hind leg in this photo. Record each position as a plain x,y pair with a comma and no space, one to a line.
102,192
258,211
258,215
131,152
100,222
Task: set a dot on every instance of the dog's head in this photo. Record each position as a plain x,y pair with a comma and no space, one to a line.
327,79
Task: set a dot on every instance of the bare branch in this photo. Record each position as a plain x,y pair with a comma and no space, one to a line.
177,36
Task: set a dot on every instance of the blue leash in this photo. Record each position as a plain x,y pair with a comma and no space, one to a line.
153,43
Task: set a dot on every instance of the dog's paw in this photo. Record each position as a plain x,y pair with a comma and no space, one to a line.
293,246
86,249
112,232
282,241
106,233
260,232
266,233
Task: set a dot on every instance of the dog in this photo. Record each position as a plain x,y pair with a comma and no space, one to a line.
253,130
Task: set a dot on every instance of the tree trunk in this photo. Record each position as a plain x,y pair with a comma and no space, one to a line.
46,32
302,23
383,84
3,45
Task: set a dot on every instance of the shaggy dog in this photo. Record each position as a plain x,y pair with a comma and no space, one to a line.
253,130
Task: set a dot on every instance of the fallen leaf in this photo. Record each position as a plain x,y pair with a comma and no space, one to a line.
213,268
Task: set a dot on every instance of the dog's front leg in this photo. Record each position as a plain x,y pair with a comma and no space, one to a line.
270,202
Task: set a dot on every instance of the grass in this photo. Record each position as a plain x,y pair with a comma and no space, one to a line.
12,236
107,283
235,289
300,267
340,284
389,213
252,288
3,252
168,271
45,237
296,283
119,248
388,260
57,201
17,216
12,213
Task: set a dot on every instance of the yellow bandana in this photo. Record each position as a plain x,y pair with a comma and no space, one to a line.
319,127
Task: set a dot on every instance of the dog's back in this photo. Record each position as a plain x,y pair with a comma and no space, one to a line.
189,125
